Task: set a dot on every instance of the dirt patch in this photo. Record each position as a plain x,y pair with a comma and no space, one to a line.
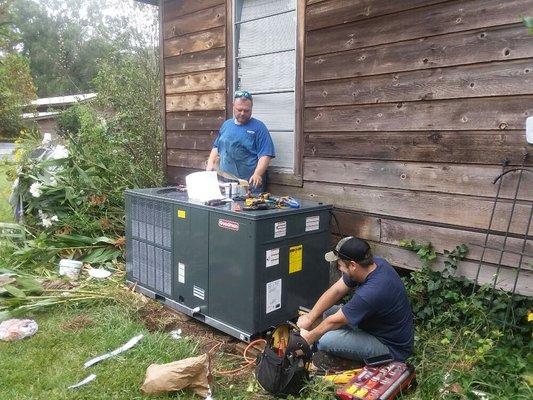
226,352
77,324
156,317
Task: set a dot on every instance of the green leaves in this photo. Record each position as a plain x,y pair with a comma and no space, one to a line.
102,255
15,287
14,291
528,22
425,252
17,284
17,89
75,240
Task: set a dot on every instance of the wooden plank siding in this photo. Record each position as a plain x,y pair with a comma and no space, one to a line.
408,110
194,58
177,8
431,20
195,22
418,176
196,82
484,45
465,147
335,12
485,80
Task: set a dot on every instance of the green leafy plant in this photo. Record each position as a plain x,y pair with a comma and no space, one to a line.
461,345
425,252
528,22
16,90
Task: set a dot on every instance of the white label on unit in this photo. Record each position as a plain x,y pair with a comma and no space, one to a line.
312,223
198,292
280,229
273,296
181,273
272,257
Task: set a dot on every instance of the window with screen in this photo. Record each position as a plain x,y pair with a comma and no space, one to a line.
265,64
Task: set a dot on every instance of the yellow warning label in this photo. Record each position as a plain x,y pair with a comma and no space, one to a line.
182,214
295,259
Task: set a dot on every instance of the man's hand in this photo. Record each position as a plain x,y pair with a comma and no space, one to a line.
304,322
256,180
306,335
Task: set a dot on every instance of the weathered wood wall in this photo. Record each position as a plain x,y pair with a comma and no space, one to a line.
194,65
409,108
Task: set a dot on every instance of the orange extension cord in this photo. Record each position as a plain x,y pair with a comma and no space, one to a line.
248,361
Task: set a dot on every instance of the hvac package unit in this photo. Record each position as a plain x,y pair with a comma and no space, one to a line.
241,272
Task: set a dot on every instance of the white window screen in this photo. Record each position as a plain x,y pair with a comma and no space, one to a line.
265,65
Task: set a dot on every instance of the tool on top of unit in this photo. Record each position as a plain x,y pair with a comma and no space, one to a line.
265,201
232,186
288,201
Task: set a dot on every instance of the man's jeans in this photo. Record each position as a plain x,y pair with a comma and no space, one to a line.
350,343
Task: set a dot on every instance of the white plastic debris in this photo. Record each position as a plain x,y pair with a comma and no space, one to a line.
90,378
69,268
47,138
132,342
175,334
15,329
99,273
480,394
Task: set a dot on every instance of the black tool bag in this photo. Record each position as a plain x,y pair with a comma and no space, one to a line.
284,371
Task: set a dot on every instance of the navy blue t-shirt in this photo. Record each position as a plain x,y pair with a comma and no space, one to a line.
380,306
241,146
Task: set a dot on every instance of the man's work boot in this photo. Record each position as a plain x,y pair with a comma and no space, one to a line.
324,363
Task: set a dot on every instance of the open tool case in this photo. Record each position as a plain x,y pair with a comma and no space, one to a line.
378,383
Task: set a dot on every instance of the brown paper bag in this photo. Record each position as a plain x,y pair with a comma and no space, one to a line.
193,372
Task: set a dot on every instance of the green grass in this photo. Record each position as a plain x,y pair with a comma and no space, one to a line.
43,366
6,214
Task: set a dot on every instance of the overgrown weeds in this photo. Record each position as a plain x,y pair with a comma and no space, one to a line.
462,347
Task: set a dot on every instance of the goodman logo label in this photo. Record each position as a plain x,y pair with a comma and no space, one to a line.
226,224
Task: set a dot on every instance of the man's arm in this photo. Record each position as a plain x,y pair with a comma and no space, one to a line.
212,160
327,300
331,323
262,164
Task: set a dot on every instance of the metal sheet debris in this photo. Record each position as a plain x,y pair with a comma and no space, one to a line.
90,378
132,342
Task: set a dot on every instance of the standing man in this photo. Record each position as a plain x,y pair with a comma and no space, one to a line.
243,144
376,321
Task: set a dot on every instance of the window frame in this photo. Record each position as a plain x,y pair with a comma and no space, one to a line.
275,175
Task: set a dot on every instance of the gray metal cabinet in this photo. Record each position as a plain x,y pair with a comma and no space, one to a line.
241,272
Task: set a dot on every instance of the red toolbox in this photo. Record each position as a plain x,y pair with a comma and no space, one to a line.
378,383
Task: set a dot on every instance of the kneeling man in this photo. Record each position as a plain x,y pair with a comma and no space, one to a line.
376,321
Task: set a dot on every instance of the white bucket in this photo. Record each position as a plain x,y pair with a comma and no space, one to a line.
69,268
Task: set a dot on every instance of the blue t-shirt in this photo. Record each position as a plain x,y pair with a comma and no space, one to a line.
380,306
241,146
